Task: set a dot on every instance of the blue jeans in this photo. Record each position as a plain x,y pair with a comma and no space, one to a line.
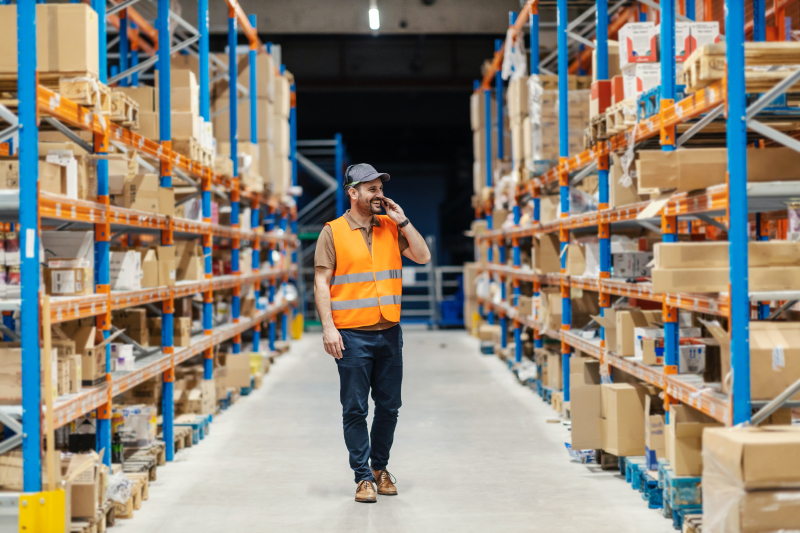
371,359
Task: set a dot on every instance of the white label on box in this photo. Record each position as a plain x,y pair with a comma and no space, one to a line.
778,359
692,359
63,281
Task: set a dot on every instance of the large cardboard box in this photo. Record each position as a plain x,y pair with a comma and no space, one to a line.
753,458
186,125
265,119
715,254
609,323
158,267
585,397
189,261
546,252
703,280
627,322
576,259
622,424
68,277
125,270
729,510
685,434
66,39
613,61
620,192
149,125
238,370
140,192
143,95
698,168
774,357
85,484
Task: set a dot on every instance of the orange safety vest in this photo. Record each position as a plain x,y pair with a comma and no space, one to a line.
365,286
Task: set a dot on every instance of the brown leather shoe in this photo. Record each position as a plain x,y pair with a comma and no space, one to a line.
385,483
365,492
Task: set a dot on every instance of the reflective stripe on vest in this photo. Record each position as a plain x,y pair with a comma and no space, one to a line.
366,286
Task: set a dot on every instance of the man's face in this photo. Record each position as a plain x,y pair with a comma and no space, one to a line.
367,196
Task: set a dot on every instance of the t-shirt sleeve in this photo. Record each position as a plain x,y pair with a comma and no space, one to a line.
325,254
402,241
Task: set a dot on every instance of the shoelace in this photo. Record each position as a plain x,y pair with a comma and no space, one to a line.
362,482
389,475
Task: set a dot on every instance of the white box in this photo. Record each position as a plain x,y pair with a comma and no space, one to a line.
632,264
692,359
68,245
637,43
122,354
125,269
641,77
689,332
704,33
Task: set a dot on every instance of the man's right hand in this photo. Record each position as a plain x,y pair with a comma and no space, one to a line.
333,342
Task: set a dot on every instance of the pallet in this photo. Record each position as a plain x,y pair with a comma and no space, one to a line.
620,117
197,425
86,91
708,64
124,510
124,110
692,523
682,496
102,519
596,131
157,451
192,149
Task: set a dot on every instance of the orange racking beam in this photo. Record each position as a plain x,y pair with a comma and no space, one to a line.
518,26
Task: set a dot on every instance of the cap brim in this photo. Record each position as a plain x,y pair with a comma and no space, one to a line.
370,177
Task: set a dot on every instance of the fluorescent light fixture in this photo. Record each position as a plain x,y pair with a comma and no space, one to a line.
374,16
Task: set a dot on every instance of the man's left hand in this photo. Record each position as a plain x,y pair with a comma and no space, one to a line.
393,211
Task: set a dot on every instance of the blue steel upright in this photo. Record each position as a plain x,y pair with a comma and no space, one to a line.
123,45
102,245
498,94
251,56
736,135
205,113
135,55
233,76
563,138
339,163
604,232
669,224
759,21
29,240
165,135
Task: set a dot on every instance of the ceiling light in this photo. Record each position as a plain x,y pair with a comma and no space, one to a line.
374,16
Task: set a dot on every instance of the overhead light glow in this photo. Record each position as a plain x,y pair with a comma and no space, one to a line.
374,19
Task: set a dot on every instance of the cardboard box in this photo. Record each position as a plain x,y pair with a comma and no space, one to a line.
517,98
654,428
545,253
585,398
554,372
166,201
525,305
576,259
685,432
125,269
189,261
83,478
66,39
637,44
149,125
141,192
622,424
68,277
487,333
632,264
715,254
622,192
265,119
75,370
238,370
640,78
753,458
143,95
627,322
158,267
704,280
691,358
774,357
699,168
737,511
181,331
186,125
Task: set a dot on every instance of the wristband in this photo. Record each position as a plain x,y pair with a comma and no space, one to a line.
403,224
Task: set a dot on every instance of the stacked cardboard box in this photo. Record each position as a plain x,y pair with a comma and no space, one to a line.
521,155
544,115
703,266
134,322
478,122
751,479
148,111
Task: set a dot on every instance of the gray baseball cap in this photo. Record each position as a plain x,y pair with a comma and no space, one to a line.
362,173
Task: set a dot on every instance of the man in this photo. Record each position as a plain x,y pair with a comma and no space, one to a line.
357,287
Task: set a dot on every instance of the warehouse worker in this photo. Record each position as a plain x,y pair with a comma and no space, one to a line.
357,288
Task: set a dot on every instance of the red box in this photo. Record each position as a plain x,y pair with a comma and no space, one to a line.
601,97
617,90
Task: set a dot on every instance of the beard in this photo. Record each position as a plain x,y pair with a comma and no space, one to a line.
368,208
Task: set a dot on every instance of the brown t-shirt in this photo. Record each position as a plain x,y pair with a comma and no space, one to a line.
325,254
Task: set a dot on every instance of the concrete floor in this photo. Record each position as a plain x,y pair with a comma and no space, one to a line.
473,452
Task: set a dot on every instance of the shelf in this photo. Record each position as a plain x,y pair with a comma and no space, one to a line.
701,303
51,103
70,407
687,388
63,309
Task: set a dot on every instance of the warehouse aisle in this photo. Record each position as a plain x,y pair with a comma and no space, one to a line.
473,452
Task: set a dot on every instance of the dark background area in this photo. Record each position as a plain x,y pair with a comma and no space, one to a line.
401,103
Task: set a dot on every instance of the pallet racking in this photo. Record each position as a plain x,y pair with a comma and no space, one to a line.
34,208
735,202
